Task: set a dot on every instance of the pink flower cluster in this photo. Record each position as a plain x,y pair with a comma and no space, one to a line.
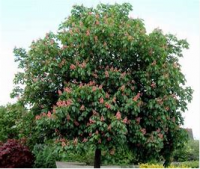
136,97
101,100
82,108
61,103
72,67
49,115
125,120
118,115
138,120
143,131
85,140
108,106
67,89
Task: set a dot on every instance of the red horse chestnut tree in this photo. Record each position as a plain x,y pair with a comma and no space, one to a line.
102,80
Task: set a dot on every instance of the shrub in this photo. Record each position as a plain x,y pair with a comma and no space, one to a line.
121,157
13,154
161,166
191,164
189,152
45,156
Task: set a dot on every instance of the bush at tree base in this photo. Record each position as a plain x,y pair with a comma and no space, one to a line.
10,118
189,152
102,80
17,122
45,156
13,154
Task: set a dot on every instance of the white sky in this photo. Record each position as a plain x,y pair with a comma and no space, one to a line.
22,21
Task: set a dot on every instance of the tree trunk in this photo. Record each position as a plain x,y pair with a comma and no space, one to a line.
97,158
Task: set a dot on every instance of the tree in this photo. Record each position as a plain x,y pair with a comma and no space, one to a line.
103,81
10,119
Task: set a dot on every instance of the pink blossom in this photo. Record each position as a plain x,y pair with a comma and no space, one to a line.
59,92
100,87
125,120
85,140
106,74
47,35
83,65
94,112
108,106
49,114
94,88
101,100
95,75
154,63
118,115
136,97
72,67
102,118
167,108
97,22
143,131
109,127
67,89
91,83
114,99
160,135
158,130
123,74
37,117
76,123
109,138
75,141
68,102
64,47
107,95
63,144
122,88
43,114
52,41
88,33
91,121
153,85
138,119
82,107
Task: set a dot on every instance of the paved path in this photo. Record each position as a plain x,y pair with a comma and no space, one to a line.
81,165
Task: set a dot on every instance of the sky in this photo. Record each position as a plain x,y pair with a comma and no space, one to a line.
22,21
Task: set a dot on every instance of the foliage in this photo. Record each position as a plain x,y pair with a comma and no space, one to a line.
45,156
186,164
121,157
86,157
10,117
192,164
189,152
161,166
103,81
13,154
16,122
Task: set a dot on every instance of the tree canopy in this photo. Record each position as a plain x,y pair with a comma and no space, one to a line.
102,80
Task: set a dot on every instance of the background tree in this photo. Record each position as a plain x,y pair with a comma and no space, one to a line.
103,81
10,119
